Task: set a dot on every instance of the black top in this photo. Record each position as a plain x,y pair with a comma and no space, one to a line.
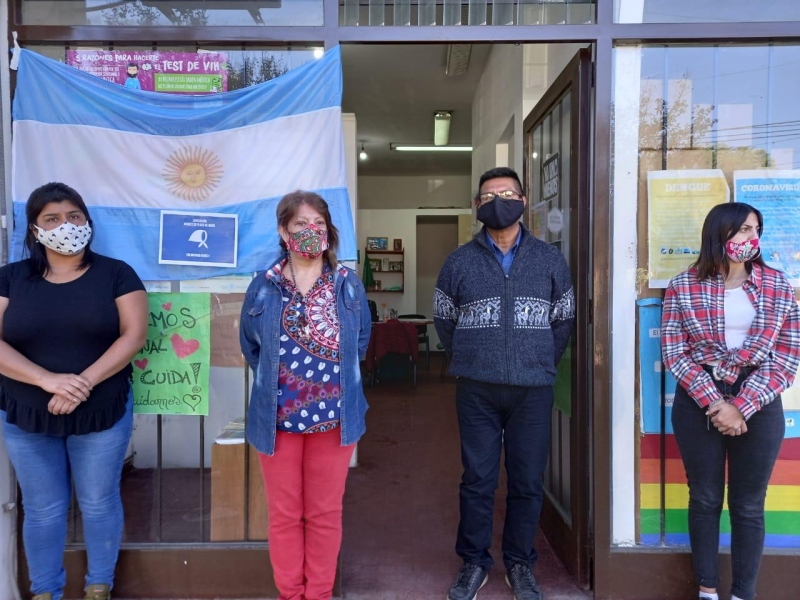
65,328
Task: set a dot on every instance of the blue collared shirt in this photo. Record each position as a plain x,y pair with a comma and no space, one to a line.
507,259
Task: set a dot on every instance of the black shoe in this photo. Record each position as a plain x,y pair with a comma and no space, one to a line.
470,579
520,579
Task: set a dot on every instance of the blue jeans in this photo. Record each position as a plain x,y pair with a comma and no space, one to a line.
43,465
489,417
750,460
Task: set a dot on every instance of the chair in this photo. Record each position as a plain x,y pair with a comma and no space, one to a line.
373,310
393,351
445,359
422,336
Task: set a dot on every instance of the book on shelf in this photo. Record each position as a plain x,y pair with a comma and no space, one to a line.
235,425
230,436
232,433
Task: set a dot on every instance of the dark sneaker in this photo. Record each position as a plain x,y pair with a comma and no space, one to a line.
520,579
470,579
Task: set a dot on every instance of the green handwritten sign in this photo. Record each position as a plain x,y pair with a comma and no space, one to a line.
170,374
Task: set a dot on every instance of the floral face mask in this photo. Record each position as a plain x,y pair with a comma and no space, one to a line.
740,252
311,242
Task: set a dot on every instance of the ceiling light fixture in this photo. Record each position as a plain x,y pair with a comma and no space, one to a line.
441,127
363,154
319,52
428,148
458,59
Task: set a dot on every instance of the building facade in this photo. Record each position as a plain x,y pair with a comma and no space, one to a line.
649,86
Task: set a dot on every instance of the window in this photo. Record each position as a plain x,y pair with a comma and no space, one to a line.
704,11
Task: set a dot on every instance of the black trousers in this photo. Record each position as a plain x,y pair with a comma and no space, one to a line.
491,416
750,458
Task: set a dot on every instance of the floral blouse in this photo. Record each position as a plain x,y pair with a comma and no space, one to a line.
308,375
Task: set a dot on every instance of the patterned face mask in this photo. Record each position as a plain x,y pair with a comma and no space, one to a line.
741,252
308,243
67,238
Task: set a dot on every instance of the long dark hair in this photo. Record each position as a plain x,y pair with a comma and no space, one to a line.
721,224
39,198
287,209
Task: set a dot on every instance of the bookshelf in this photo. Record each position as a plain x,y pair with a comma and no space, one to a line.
388,269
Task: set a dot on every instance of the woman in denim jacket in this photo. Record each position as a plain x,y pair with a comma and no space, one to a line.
305,326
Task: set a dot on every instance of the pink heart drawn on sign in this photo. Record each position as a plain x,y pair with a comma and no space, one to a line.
167,306
141,363
183,348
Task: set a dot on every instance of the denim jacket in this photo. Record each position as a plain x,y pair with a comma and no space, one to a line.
259,335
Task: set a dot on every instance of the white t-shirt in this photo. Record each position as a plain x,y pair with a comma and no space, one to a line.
739,315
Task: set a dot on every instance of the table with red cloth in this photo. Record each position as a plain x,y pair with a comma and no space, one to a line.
392,336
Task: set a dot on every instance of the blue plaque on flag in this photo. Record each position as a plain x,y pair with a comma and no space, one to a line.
192,238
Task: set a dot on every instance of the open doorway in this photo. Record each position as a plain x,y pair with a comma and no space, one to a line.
401,508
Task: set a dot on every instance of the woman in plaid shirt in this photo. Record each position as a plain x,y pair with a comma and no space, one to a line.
731,336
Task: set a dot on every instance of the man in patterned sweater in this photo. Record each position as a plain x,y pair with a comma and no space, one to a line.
504,308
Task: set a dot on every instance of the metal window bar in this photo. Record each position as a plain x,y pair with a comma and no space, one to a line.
426,12
377,13
202,478
452,12
246,457
402,12
351,16
503,12
477,12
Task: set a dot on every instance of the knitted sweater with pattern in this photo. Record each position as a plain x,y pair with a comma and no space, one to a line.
505,329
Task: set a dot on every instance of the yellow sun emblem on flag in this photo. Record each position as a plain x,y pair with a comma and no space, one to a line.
192,173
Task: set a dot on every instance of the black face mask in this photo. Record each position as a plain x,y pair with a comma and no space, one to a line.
500,214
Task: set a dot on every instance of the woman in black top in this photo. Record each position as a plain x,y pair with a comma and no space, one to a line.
70,323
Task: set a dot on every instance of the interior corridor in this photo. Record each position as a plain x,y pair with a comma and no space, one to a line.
401,504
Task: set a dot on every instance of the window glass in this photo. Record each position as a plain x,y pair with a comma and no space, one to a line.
704,11
179,484
181,13
693,127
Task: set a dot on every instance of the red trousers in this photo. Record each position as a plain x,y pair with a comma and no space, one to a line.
305,481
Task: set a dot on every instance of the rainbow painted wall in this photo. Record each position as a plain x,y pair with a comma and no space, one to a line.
783,494
782,507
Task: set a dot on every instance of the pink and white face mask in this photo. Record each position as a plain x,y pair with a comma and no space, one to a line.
741,252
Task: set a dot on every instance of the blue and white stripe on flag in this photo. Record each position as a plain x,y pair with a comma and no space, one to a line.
132,154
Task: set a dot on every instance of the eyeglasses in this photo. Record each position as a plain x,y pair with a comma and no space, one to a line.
504,194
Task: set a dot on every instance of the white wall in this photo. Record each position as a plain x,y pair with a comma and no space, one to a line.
445,191
435,241
402,223
514,80
498,102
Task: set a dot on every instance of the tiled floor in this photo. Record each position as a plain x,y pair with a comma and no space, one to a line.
401,506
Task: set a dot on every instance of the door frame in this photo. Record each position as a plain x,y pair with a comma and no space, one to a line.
572,542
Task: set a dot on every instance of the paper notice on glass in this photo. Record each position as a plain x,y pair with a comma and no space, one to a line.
777,195
226,284
226,350
171,372
678,202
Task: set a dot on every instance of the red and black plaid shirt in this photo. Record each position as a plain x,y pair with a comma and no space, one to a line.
693,335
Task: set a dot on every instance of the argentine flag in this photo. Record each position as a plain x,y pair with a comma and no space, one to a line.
133,154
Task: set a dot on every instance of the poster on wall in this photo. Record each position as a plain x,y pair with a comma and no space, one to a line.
777,195
678,202
551,178
650,367
171,372
154,71
539,220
